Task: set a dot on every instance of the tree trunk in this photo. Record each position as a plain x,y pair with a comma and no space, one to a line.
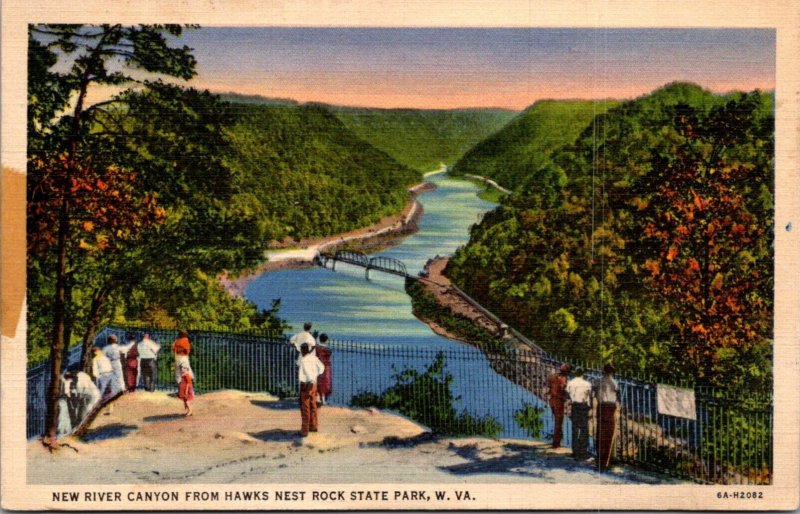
98,302
57,345
59,307
69,314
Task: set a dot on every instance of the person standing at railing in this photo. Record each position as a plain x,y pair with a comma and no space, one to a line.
309,370
104,377
324,384
607,393
304,337
182,348
114,356
580,394
148,364
131,362
557,390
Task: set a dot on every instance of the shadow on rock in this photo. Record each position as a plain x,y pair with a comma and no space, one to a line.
112,431
163,417
277,405
276,435
522,462
402,442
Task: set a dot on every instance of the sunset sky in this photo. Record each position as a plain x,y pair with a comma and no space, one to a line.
447,68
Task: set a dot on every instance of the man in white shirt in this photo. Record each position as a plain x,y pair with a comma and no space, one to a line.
304,337
148,353
309,369
580,394
607,392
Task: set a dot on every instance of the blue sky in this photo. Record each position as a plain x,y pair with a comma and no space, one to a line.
444,68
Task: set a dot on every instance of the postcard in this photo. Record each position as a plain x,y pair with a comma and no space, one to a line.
400,256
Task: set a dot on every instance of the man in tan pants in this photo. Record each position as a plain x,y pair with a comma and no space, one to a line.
607,393
310,368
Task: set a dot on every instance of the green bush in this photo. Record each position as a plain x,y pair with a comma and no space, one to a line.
427,398
738,440
529,418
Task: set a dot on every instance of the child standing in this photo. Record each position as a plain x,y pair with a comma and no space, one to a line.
310,368
185,388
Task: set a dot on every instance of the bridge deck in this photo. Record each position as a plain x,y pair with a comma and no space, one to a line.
381,263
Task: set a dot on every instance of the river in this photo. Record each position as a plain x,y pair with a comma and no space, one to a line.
377,312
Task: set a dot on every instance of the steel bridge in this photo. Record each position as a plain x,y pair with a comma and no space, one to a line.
384,264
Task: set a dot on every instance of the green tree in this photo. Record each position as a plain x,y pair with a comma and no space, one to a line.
97,56
702,249
605,254
427,398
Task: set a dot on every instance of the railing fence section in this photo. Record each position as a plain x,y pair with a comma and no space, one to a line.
463,390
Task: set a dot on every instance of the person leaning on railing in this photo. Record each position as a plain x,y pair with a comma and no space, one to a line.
325,383
556,388
148,353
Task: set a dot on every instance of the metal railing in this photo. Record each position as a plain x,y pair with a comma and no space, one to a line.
730,441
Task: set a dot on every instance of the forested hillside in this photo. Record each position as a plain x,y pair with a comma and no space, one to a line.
525,145
421,138
311,175
136,204
646,243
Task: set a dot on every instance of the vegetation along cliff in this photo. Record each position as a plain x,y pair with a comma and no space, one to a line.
646,242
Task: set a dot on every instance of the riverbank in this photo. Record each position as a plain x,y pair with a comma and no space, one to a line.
292,254
449,313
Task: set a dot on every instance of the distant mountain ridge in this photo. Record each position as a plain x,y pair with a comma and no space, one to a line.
424,139
255,99
419,138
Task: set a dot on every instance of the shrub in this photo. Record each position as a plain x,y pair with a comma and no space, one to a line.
427,398
529,418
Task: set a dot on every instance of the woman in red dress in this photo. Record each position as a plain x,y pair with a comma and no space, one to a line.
324,382
186,389
132,367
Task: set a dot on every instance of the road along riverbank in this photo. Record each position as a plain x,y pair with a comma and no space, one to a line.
489,182
291,254
452,313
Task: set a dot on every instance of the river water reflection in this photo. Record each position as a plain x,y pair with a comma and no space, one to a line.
377,312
